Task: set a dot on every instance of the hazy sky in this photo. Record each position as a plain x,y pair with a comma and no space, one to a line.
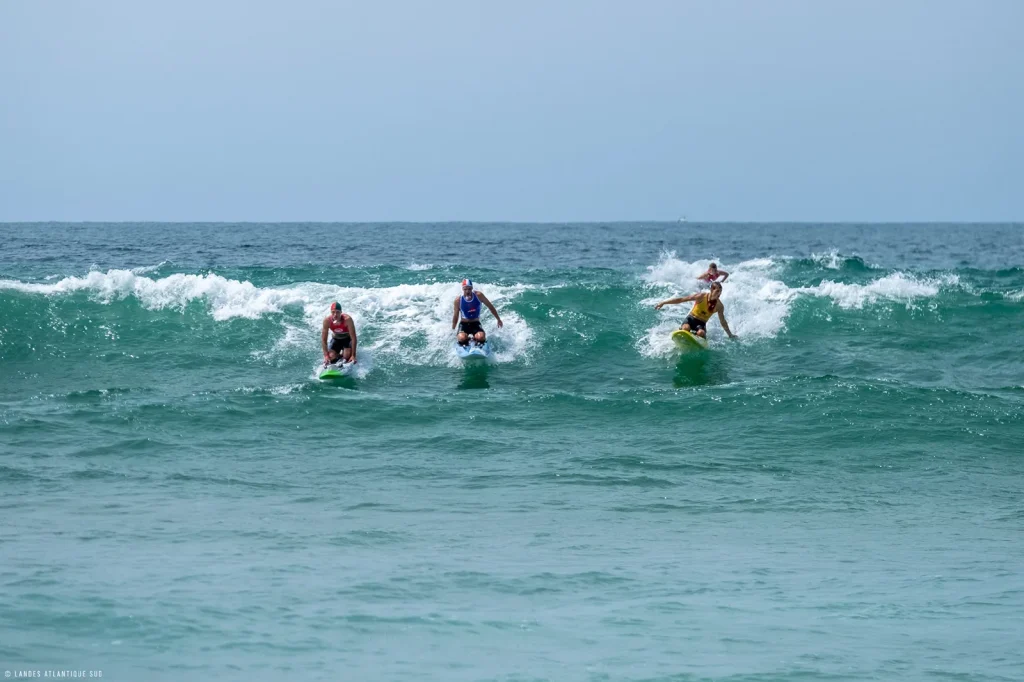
549,111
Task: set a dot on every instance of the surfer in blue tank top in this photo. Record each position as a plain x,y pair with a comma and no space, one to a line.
467,314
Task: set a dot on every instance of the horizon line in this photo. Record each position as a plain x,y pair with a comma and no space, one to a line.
514,222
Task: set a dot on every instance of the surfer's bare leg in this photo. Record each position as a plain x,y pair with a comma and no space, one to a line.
480,337
333,355
462,338
347,354
701,333
685,327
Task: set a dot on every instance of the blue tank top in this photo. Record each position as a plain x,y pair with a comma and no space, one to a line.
470,309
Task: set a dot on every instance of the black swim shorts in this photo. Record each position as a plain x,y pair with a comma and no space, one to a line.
340,343
695,324
470,327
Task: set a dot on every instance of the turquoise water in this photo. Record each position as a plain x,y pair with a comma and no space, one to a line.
835,495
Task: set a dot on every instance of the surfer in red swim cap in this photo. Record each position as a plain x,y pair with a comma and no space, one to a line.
343,336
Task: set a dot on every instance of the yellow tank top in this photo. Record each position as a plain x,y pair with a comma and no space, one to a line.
701,310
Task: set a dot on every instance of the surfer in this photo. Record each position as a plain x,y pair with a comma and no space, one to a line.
704,306
343,336
468,306
713,273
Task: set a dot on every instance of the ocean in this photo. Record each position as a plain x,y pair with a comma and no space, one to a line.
834,495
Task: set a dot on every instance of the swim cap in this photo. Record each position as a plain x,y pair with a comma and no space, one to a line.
335,306
467,283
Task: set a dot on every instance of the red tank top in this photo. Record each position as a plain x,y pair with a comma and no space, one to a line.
338,327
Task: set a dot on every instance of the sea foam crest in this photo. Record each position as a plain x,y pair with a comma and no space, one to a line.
414,320
753,306
831,260
895,287
227,298
146,269
409,320
758,304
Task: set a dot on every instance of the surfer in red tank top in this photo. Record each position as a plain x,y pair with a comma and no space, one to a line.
343,336
713,273
337,326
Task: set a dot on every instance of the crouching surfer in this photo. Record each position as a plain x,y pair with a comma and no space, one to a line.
704,306
343,336
467,307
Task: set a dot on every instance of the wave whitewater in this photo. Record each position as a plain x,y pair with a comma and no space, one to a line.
411,323
416,315
759,304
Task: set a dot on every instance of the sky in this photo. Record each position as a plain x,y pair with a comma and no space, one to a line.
575,110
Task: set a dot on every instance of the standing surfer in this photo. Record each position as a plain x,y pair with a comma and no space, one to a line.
343,336
704,306
467,306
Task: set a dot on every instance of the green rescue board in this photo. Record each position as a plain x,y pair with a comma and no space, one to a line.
335,371
687,341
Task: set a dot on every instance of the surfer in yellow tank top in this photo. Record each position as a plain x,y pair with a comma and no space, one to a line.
704,306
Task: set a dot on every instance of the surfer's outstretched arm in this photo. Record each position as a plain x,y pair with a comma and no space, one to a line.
725,325
724,274
673,301
490,306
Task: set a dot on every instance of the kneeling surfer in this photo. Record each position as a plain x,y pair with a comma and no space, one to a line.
468,307
343,336
704,306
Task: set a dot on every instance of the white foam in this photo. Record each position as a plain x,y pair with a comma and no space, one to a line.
409,321
753,307
413,321
227,297
295,337
831,260
420,266
275,390
363,367
895,287
286,389
756,304
146,269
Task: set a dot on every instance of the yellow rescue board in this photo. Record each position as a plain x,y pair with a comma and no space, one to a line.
687,341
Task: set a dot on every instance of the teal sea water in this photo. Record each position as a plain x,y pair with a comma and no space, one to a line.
835,495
